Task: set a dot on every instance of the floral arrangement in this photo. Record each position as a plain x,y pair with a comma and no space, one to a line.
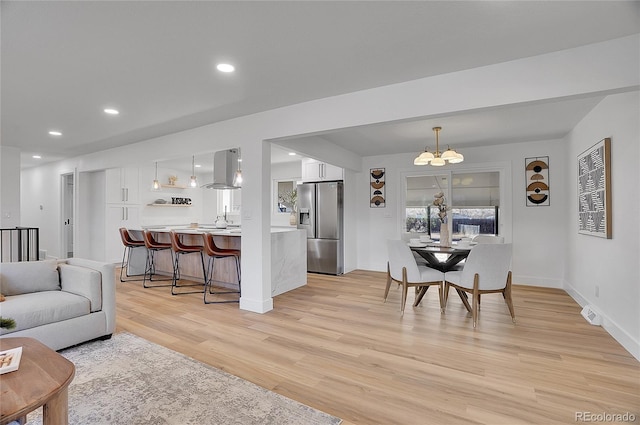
441,202
289,198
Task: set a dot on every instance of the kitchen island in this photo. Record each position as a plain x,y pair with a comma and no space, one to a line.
288,255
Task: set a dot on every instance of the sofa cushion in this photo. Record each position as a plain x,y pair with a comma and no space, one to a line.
82,281
41,308
29,276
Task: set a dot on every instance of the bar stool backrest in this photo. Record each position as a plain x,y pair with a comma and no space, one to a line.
127,240
210,247
151,242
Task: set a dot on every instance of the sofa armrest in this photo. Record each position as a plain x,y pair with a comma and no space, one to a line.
82,281
108,286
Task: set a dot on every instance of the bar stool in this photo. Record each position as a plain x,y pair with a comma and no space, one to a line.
129,245
214,253
180,248
154,246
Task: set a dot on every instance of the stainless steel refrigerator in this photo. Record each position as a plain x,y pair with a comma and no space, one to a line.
320,213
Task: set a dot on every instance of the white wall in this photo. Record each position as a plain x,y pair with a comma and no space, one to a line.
91,216
537,233
10,187
40,203
609,264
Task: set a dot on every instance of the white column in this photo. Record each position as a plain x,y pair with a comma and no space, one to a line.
256,227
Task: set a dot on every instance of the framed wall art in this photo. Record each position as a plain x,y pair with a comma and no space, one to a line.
594,190
537,181
377,186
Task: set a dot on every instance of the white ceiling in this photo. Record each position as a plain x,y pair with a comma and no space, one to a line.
63,62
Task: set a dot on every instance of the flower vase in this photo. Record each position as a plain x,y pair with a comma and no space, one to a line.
445,236
292,219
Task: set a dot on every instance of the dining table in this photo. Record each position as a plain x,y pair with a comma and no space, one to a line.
454,255
433,254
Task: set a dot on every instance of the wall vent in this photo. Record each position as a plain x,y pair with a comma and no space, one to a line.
591,315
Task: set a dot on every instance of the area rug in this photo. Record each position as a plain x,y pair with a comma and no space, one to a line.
129,380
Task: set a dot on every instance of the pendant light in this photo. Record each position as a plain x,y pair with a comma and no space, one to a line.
194,180
436,159
156,183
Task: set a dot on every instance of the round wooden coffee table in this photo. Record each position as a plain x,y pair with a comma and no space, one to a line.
42,380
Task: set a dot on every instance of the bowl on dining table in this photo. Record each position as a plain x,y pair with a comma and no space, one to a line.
425,239
414,241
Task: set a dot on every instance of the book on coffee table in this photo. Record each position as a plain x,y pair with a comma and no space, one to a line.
10,360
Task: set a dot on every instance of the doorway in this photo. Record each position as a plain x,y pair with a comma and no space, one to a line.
67,215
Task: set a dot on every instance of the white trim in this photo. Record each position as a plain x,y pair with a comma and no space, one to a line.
256,306
540,282
627,341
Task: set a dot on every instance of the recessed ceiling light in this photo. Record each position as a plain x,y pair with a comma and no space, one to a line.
225,67
292,154
36,157
111,111
198,165
55,133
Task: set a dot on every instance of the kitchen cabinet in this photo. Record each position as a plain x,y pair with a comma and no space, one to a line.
118,216
122,185
313,171
122,209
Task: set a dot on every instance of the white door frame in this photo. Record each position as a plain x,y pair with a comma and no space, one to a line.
67,212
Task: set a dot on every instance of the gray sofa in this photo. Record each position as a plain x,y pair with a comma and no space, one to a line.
60,303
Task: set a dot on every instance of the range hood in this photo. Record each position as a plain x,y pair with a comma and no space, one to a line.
225,166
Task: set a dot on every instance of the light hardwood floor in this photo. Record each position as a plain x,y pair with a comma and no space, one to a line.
334,345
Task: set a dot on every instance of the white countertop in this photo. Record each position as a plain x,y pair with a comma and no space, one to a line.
232,231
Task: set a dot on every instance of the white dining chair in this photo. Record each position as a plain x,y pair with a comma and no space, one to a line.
487,270
403,269
488,239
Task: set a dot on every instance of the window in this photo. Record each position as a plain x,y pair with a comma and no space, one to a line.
285,196
419,199
229,201
473,199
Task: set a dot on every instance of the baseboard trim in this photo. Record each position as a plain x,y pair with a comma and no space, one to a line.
541,282
256,306
623,337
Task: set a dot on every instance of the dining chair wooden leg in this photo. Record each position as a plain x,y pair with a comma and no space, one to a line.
405,289
386,289
475,299
440,295
507,297
445,295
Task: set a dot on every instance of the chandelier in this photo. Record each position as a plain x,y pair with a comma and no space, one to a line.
436,159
